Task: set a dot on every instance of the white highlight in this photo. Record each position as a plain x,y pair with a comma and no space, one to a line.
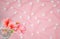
24,23
49,20
21,36
52,1
32,13
4,8
55,28
19,1
19,5
30,3
38,21
51,37
56,24
24,12
43,14
58,10
15,12
42,4
7,3
37,1
54,5
43,29
11,7
51,12
37,32
32,34
32,25
20,17
28,17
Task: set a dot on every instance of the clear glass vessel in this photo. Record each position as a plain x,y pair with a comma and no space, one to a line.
5,33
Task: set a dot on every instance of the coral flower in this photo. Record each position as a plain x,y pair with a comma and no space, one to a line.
16,27
6,22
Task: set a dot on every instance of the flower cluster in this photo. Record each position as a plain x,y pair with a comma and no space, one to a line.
16,26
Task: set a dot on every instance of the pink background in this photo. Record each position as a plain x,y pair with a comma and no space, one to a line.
40,17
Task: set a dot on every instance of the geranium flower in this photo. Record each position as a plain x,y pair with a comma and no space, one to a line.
14,26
